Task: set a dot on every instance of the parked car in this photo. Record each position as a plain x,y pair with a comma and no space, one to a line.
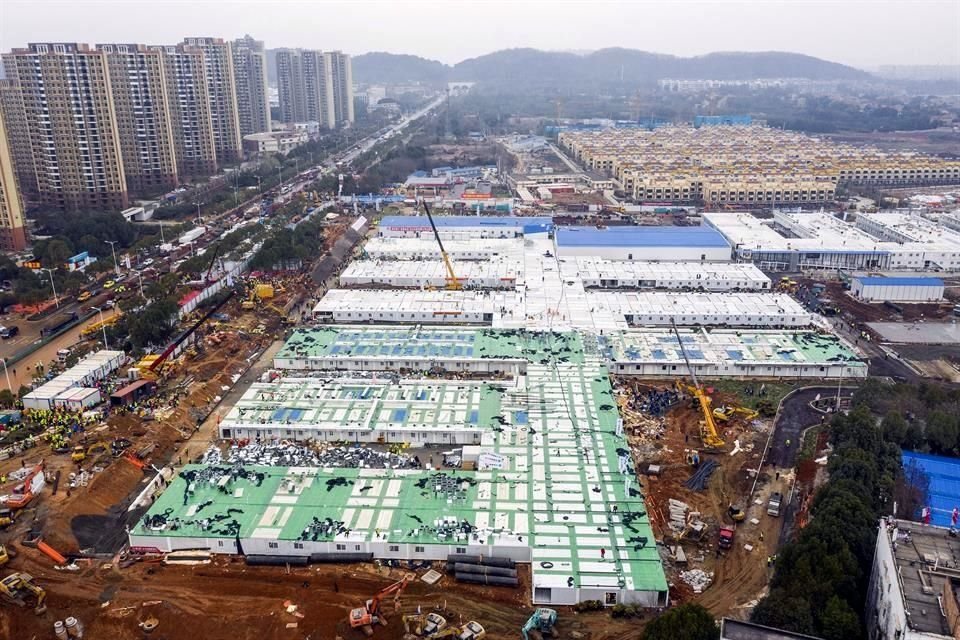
9,332
109,284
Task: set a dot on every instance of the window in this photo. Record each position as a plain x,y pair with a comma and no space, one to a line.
461,549
272,545
298,545
394,547
356,547
609,598
219,543
341,547
418,549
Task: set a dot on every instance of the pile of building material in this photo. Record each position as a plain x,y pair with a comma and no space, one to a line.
698,481
289,454
698,579
678,515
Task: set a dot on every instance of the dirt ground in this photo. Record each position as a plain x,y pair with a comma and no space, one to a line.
740,575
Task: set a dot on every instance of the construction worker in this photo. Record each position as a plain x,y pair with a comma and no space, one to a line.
761,536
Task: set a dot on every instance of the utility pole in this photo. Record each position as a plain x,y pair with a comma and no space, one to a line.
52,286
113,250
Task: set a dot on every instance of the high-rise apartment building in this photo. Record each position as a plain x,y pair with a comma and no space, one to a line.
12,235
341,71
314,85
139,87
68,109
250,80
18,137
222,94
188,103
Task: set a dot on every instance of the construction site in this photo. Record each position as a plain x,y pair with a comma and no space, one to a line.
378,451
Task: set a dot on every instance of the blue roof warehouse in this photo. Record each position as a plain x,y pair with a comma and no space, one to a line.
704,244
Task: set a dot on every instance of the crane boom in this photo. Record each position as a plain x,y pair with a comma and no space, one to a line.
708,428
452,282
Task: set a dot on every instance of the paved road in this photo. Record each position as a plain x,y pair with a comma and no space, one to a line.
796,414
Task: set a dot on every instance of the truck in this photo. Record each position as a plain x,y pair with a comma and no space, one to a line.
773,504
726,537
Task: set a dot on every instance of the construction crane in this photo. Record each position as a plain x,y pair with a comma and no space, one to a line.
542,620
370,614
452,282
206,277
708,428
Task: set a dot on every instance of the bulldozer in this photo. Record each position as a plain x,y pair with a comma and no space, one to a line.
17,588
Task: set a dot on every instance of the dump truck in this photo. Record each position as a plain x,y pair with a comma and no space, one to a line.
773,504
726,537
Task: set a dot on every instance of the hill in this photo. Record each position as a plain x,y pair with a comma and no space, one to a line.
565,70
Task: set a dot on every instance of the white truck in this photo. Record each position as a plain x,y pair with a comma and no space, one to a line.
773,505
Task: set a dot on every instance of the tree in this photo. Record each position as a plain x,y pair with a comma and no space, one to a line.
894,427
783,611
688,621
7,399
839,621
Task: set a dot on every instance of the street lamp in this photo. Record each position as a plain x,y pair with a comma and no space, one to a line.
113,250
259,189
52,286
103,325
140,280
199,218
7,374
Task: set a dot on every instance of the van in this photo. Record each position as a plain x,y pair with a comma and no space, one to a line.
9,332
773,505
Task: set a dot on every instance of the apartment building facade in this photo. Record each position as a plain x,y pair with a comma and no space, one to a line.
18,137
250,80
68,108
188,104
315,85
142,105
222,96
12,234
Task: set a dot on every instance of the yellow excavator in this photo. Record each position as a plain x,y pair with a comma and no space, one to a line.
17,588
724,414
452,282
80,453
424,625
708,428
473,630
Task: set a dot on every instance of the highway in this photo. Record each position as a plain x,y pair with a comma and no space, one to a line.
368,143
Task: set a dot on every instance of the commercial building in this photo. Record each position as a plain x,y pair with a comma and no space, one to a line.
428,307
139,86
222,96
314,85
541,479
500,274
663,308
743,165
250,81
700,244
84,374
189,106
792,241
731,354
881,289
463,227
274,142
601,273
12,234
423,248
914,591
68,108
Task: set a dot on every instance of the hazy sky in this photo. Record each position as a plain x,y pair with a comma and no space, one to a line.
863,33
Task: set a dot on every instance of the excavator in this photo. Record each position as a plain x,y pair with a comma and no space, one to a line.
542,620
424,625
708,428
24,493
724,414
370,614
18,587
473,630
452,282
80,453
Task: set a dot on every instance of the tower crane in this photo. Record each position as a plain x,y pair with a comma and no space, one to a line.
708,427
452,282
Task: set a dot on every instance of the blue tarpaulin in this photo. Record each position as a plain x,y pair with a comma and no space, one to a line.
944,475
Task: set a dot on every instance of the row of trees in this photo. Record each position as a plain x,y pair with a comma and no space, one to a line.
820,582
289,248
